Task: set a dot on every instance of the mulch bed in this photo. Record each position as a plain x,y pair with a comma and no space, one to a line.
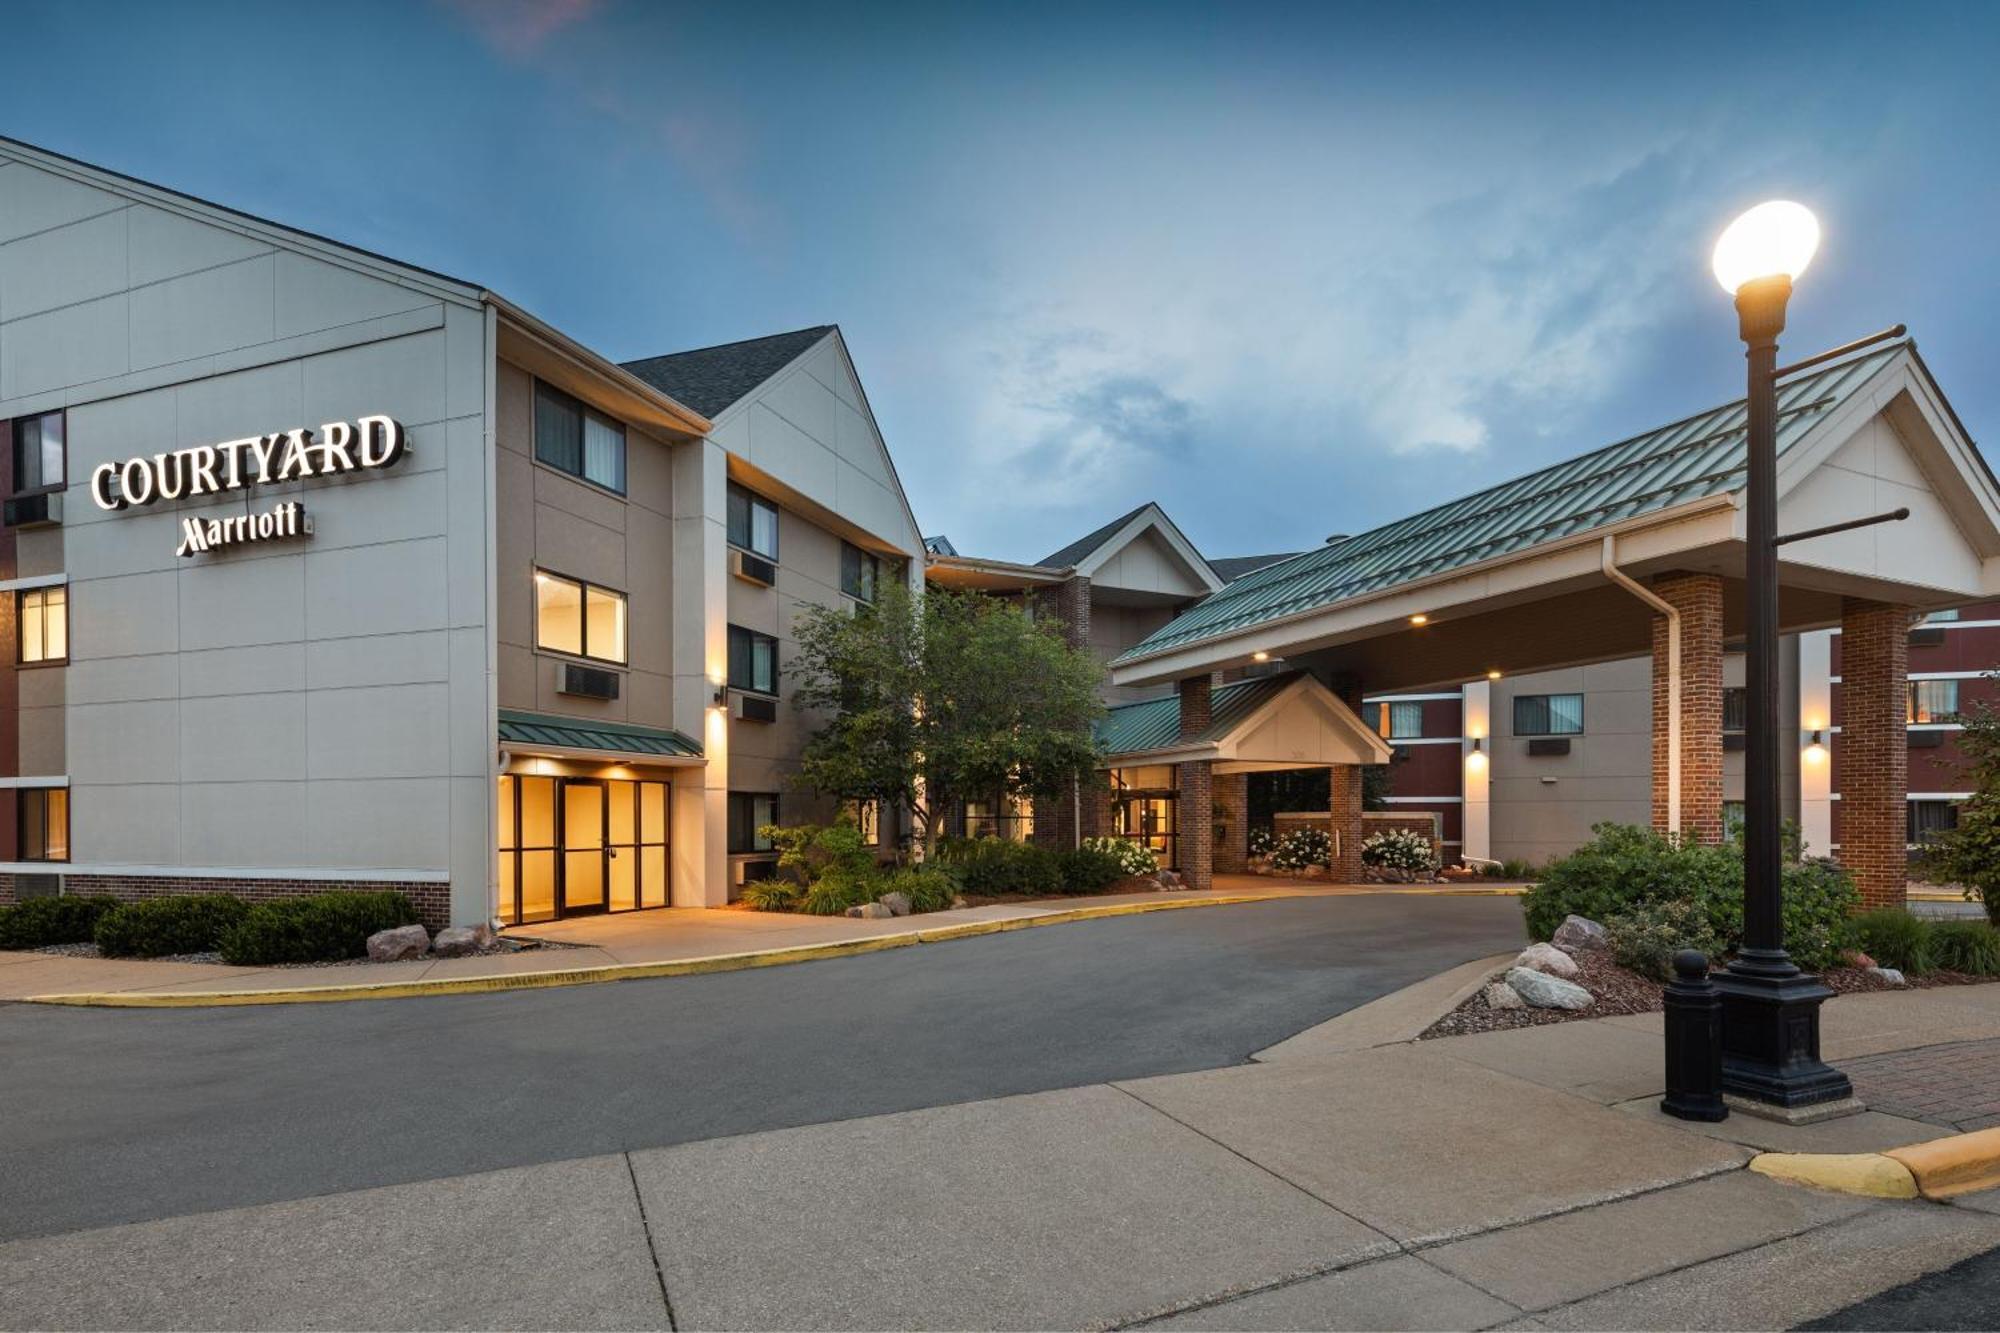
1619,990
501,945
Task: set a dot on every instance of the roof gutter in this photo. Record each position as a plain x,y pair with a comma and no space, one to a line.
1673,615
569,349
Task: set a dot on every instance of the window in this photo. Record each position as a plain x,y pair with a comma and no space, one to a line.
1735,708
1548,715
1013,819
750,811
1941,617
571,438
1933,701
867,816
753,661
1733,815
753,523
1930,818
44,815
38,453
43,615
579,618
859,572
1144,805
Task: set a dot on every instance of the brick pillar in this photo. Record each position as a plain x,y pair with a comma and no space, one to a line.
1698,597
1194,822
1874,749
1195,705
1096,806
1344,805
1232,796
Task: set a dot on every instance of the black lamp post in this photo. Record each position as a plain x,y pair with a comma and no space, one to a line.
1770,1009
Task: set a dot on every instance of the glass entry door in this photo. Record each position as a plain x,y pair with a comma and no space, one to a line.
583,847
573,846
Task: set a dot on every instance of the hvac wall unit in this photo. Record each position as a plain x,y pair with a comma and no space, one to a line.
1926,740
1548,745
755,708
34,511
752,568
589,682
1927,636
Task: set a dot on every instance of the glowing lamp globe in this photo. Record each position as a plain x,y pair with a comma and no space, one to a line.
1772,240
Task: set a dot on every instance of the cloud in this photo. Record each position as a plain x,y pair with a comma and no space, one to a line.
519,29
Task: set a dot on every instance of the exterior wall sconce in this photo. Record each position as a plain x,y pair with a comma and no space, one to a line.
721,696
1816,747
1475,759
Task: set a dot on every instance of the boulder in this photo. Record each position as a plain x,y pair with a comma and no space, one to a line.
1546,958
1168,879
1888,974
392,946
1580,932
870,911
958,903
897,903
1856,958
1546,992
459,941
1500,995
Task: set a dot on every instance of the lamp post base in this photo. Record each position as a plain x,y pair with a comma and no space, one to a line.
1770,1038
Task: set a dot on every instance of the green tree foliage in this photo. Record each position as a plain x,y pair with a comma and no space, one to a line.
1969,855
930,701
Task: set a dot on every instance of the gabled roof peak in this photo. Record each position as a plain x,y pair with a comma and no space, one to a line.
712,379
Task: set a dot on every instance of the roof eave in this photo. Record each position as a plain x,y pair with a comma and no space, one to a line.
678,416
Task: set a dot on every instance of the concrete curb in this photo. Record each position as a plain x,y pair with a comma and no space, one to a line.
1388,1020
586,976
1938,1169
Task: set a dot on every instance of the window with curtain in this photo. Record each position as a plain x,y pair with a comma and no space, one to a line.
1548,715
1942,617
43,617
753,661
753,522
1735,708
750,811
867,816
1927,819
44,816
574,439
40,460
1406,720
860,572
1933,701
579,618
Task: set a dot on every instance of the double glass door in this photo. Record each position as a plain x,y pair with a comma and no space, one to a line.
573,846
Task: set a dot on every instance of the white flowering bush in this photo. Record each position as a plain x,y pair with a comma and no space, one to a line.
1302,849
1399,849
1133,858
1261,842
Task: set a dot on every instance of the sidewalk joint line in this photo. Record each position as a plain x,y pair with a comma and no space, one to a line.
652,1250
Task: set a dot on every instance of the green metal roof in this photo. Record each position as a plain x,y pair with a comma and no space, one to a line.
1692,459
1156,723
519,728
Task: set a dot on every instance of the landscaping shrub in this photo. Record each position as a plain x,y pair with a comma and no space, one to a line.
1646,937
839,889
773,895
809,851
1399,849
157,927
1262,842
1303,848
1894,938
1001,866
1624,867
1971,947
1091,869
322,928
36,923
929,888
1133,858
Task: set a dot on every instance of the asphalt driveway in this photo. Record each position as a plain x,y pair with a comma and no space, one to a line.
123,1115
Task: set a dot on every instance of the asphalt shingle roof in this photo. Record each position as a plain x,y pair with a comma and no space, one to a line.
1155,724
1695,458
1083,546
522,728
1229,568
710,379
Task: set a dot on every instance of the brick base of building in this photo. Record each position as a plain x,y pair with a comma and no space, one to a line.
1232,810
432,899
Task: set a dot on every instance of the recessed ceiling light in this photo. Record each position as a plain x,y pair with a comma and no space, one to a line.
1493,675
1420,619
1260,656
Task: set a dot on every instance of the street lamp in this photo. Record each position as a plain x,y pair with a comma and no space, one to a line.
1770,1009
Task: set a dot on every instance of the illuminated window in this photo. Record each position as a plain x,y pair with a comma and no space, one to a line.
571,438
867,816
43,615
753,661
753,523
39,457
579,618
44,816
1933,701
1548,715
749,813
1394,721
860,572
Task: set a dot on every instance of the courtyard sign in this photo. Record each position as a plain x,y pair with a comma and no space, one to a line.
259,460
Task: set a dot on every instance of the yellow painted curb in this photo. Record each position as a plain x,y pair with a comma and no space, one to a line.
1957,1165
1868,1173
586,976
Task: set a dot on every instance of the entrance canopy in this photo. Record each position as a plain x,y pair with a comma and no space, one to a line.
1521,576
1288,720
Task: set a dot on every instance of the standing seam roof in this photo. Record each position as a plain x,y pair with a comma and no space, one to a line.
1155,724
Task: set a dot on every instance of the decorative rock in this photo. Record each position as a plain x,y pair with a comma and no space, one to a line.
1546,958
897,903
1580,932
1856,958
392,946
958,903
870,911
1500,995
458,941
1169,880
1888,974
1546,992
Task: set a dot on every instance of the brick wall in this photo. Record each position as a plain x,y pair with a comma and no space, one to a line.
1874,749
432,900
1698,597
1232,797
1426,824
1194,826
1344,806
1196,704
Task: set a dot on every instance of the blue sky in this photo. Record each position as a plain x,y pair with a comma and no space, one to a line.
1288,270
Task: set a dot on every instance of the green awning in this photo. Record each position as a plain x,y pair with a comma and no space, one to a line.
570,733
1155,724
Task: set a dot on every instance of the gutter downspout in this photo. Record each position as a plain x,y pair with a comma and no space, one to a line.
1673,615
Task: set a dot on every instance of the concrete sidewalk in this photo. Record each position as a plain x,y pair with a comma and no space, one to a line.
1518,1179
